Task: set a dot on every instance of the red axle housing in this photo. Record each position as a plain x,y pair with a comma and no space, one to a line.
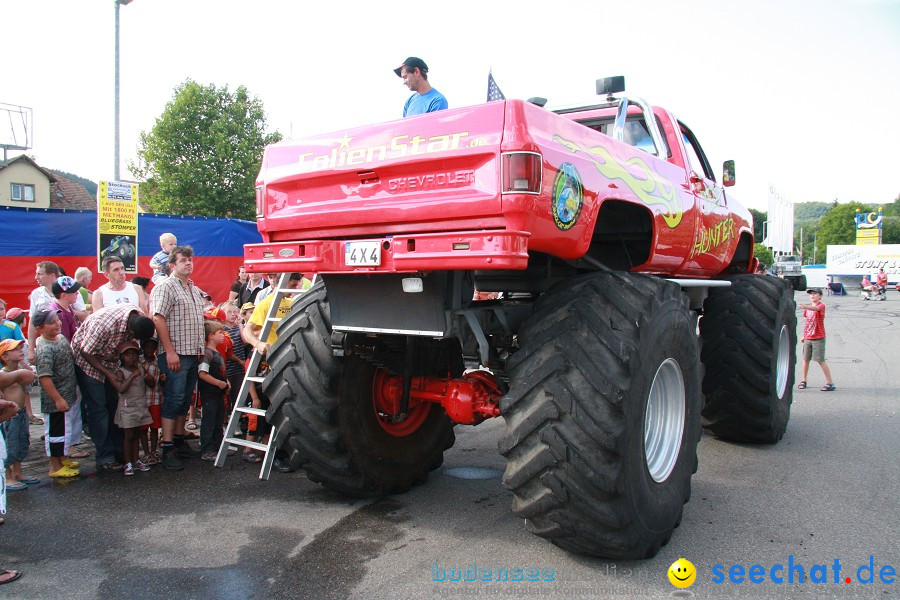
468,400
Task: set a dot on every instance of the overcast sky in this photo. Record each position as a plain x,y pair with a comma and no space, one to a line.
804,94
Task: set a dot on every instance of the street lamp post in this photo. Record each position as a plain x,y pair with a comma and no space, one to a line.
116,111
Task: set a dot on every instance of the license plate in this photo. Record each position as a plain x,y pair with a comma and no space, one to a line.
362,254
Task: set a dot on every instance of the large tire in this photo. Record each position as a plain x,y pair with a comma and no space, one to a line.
582,472
323,412
749,334
802,286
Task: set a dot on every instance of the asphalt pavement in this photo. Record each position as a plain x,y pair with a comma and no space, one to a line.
827,492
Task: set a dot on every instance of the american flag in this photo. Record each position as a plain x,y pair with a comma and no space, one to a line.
494,92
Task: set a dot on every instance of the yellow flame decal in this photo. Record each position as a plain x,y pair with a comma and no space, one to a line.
637,175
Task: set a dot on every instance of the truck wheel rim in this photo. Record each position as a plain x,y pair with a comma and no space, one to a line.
664,420
386,406
782,362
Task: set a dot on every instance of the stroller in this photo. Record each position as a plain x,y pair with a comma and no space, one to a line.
873,292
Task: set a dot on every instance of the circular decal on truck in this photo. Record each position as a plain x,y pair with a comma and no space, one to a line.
568,196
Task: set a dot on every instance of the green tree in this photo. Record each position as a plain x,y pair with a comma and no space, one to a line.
810,211
759,219
763,254
893,209
890,230
839,225
204,152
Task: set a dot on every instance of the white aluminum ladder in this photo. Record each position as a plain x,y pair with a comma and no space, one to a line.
250,378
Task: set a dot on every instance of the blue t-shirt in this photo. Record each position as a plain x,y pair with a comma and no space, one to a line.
419,104
160,263
10,330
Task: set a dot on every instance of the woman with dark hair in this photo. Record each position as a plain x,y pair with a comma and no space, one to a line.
141,283
236,286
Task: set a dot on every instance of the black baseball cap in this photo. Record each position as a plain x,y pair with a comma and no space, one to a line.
44,316
64,285
412,62
814,290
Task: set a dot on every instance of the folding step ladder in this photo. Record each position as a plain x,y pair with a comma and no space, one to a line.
250,378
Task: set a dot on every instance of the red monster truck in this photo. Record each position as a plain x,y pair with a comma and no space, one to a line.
547,267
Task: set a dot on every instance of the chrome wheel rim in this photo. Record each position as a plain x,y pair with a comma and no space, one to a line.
664,420
782,362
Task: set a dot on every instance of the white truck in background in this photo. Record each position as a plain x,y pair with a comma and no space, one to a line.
789,268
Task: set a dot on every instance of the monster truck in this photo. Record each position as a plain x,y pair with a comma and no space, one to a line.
546,267
790,269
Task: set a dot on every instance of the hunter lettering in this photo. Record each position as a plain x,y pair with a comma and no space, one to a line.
710,238
400,146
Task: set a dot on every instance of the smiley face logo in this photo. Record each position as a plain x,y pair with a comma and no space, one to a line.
682,573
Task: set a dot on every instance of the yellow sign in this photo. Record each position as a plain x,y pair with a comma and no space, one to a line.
868,237
117,208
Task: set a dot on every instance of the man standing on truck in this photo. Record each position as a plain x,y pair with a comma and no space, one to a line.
426,99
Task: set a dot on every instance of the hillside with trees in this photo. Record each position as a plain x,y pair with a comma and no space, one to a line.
825,224
90,186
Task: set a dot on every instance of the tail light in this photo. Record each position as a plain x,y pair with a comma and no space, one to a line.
259,201
521,173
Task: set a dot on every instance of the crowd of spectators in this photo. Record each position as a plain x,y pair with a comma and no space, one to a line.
135,370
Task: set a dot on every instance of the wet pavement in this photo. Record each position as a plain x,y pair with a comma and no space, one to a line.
827,491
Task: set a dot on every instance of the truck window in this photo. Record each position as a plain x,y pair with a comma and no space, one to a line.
695,153
636,133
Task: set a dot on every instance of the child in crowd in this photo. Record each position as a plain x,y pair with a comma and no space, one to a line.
208,303
154,399
65,290
9,330
257,427
160,261
132,413
16,315
234,363
8,410
56,372
246,313
15,430
212,387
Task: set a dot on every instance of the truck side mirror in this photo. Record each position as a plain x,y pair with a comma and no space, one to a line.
728,173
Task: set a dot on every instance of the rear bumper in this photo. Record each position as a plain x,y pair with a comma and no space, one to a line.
455,251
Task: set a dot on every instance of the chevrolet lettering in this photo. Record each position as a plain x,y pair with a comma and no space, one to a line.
431,181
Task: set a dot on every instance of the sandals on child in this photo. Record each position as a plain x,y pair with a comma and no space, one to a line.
7,575
252,457
802,385
192,425
828,387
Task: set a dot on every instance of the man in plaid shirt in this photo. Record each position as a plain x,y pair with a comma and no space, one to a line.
177,308
97,369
